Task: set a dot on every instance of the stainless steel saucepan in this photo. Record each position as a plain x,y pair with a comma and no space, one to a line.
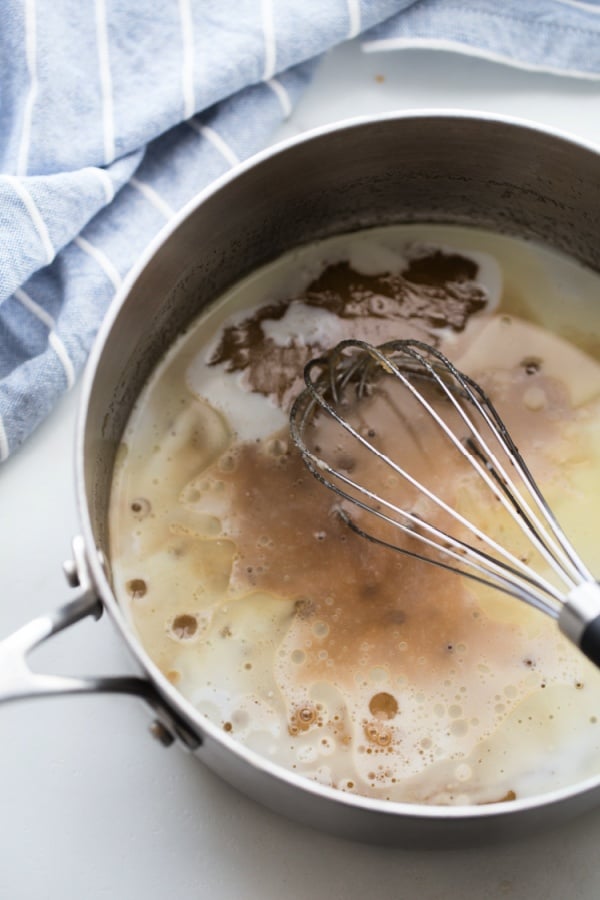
499,174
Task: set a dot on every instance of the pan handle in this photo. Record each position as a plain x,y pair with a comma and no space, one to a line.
18,682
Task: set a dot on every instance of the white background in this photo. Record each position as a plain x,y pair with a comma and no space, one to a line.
90,806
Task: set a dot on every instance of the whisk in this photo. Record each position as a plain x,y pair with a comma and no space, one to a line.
418,393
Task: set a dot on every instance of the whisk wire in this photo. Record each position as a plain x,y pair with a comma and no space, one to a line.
514,508
410,362
560,546
478,574
487,464
530,586
407,360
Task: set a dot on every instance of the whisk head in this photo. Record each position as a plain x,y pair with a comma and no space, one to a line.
425,466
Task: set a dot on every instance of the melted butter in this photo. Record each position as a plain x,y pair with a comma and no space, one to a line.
361,668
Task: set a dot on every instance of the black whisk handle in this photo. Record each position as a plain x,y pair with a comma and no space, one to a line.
579,619
590,641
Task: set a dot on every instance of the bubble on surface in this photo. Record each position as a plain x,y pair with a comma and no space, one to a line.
136,587
320,629
383,705
184,626
377,733
140,508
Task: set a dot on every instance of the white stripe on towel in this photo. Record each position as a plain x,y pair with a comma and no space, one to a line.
269,34
34,214
187,62
354,16
588,7
4,448
30,55
105,82
102,259
282,95
153,197
107,183
53,338
217,141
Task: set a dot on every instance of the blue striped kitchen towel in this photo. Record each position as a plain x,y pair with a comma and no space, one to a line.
114,113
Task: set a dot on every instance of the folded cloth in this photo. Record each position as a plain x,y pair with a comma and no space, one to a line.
561,37
114,114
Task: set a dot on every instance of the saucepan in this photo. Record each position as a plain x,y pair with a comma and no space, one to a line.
436,167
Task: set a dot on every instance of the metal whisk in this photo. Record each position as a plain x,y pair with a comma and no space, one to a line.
420,398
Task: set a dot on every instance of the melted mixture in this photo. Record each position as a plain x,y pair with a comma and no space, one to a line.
357,667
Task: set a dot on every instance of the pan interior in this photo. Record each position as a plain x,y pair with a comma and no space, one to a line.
327,655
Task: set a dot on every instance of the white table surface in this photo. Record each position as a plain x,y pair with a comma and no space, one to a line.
90,806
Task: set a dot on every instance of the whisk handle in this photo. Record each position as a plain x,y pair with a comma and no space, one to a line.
579,619
590,641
